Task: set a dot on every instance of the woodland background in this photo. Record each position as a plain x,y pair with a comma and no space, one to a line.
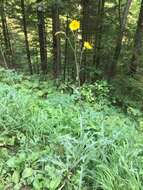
114,28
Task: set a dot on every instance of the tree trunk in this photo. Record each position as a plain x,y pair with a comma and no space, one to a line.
66,48
85,36
56,41
137,43
113,66
8,52
42,37
26,37
98,33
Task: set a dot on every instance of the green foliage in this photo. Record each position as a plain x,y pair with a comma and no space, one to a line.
96,91
41,145
128,91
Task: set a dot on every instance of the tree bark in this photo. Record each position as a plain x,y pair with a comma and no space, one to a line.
66,48
26,37
137,43
113,65
42,37
98,33
56,41
8,52
85,36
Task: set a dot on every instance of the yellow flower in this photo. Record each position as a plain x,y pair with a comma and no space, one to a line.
87,45
74,25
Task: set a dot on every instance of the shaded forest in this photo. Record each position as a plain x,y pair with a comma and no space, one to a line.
113,28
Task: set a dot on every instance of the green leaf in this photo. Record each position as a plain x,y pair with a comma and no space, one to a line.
15,177
37,184
27,172
54,183
12,162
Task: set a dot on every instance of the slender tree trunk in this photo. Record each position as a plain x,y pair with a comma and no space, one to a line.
26,37
8,52
42,37
56,41
66,47
4,29
85,36
98,34
113,65
136,57
8,38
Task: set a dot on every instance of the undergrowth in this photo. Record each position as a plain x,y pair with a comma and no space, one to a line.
40,143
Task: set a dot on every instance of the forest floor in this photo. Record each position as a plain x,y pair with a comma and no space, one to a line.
42,148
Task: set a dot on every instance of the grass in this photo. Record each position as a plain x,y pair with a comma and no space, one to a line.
41,147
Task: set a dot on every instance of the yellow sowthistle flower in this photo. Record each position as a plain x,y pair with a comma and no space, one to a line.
74,25
87,45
